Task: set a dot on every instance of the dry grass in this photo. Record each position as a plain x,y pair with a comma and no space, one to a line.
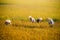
22,30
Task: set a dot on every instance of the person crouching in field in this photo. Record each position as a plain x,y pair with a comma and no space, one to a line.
7,21
50,21
39,20
31,19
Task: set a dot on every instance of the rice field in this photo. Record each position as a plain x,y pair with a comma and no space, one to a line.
21,28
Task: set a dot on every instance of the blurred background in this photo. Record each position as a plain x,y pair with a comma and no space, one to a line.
24,8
